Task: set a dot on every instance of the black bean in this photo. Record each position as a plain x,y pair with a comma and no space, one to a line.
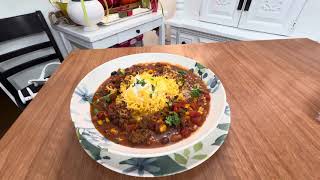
164,140
114,73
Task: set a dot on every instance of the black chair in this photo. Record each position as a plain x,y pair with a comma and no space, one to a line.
18,27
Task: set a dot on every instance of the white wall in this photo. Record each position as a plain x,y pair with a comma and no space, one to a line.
17,7
9,8
308,24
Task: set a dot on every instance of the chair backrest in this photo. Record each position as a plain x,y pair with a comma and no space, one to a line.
21,26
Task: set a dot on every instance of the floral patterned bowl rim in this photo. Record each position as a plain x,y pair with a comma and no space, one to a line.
170,164
82,96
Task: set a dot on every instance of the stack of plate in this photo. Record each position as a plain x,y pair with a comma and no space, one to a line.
152,162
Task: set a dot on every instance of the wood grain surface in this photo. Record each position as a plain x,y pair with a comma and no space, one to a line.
273,88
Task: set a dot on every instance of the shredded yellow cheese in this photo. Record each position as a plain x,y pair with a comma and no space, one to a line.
150,96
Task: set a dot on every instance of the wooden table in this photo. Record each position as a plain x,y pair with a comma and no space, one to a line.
273,88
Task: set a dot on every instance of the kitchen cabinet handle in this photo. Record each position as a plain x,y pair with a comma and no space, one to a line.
248,4
138,31
240,5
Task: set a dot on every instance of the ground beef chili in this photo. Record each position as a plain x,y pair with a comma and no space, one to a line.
177,120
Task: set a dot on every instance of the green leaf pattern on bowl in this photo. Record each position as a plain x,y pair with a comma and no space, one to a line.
213,83
157,166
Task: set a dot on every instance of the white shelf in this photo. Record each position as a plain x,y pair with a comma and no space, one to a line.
106,31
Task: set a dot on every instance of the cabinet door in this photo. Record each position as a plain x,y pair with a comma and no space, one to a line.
223,12
273,16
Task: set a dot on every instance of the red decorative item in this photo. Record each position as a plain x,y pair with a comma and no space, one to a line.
129,13
111,3
154,5
124,2
140,37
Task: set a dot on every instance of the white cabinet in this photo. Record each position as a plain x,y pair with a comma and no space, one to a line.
271,16
221,12
185,36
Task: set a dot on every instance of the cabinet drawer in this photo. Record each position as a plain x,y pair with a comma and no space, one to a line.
187,38
173,32
173,40
136,31
213,39
206,40
184,40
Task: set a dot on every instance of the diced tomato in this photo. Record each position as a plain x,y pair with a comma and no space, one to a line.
194,106
112,106
175,137
207,96
197,120
131,127
194,114
177,106
101,115
185,132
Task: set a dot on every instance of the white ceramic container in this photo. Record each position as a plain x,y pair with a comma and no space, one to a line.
95,13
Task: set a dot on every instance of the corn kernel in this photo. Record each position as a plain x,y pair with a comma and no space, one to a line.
162,128
187,105
114,131
187,113
200,109
200,112
107,120
100,122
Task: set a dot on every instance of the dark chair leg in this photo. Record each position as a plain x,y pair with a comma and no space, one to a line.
9,112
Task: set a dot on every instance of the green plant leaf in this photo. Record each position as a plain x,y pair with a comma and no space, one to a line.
180,159
224,126
220,140
96,111
107,98
182,72
195,92
197,147
173,119
199,156
186,153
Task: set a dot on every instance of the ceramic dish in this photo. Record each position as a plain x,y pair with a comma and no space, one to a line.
90,137
166,165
